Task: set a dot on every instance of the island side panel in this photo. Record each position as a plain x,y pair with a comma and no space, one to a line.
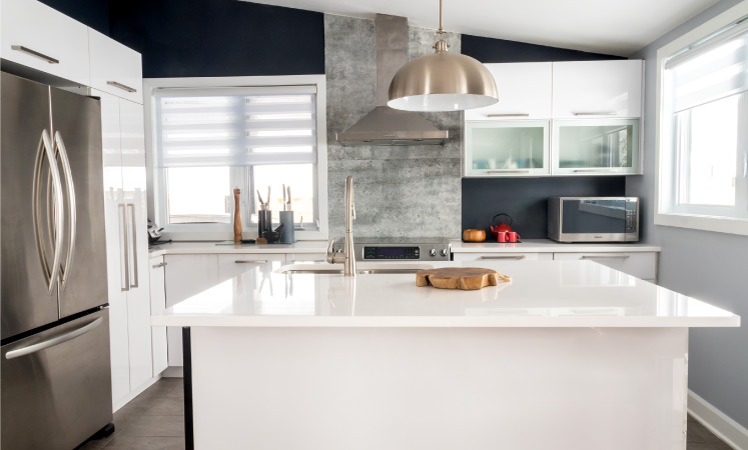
439,388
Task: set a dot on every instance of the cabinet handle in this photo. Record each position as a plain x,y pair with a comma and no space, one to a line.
256,261
597,113
592,170
121,86
516,257
605,257
307,260
509,115
23,49
125,246
134,245
159,265
508,171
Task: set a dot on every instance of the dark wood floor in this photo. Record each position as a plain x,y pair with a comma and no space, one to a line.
155,421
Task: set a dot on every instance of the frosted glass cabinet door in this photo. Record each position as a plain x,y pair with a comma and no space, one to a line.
506,148
596,147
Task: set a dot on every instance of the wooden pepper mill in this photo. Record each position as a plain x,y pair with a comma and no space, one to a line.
237,218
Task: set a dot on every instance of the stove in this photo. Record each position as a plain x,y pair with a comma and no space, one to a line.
404,249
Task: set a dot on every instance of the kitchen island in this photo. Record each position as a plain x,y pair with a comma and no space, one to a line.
570,354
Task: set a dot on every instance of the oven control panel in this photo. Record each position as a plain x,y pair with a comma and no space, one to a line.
405,252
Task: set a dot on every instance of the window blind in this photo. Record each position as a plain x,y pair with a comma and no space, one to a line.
236,126
716,68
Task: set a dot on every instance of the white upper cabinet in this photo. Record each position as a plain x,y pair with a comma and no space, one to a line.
596,89
115,69
524,92
37,36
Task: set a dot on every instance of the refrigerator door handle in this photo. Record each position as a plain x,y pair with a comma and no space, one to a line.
45,149
134,243
125,247
60,146
23,351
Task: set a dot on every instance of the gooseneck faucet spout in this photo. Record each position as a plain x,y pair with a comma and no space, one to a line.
348,257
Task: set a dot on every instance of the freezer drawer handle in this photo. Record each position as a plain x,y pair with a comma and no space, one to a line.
255,261
124,87
156,266
46,149
54,341
23,49
605,257
517,257
60,147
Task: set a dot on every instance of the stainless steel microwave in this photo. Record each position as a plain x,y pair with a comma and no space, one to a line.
593,219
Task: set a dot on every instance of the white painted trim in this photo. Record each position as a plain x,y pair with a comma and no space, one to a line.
734,434
213,232
707,223
134,393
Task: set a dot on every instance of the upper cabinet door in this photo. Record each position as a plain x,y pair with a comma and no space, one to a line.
524,92
115,69
595,89
37,36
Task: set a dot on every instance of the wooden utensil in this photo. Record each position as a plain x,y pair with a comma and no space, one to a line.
237,218
465,278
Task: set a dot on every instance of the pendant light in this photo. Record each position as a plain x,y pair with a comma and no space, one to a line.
442,81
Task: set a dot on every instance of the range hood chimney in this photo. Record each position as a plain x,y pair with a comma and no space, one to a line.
385,125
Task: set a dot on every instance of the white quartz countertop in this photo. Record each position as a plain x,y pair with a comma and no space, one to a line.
547,245
541,294
189,248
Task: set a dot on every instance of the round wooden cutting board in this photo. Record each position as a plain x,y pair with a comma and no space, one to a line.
465,278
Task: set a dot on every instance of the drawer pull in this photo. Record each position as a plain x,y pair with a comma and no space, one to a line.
515,257
593,170
508,171
23,49
598,113
251,261
308,260
606,257
509,115
159,265
121,86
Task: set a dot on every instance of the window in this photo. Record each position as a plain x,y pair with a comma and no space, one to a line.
703,129
210,136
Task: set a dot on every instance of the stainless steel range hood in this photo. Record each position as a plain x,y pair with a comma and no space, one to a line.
385,125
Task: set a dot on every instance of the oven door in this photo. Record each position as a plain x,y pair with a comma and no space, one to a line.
593,220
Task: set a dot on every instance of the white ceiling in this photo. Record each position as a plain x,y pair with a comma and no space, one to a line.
618,27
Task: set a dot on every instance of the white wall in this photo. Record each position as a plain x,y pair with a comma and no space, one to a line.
706,265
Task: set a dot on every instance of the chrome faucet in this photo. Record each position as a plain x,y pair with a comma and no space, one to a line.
348,256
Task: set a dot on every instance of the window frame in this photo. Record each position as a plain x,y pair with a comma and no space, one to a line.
665,154
156,184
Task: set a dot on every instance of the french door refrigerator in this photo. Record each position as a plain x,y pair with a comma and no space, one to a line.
56,379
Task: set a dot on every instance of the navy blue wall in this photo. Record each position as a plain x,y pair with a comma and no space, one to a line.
525,199
488,50
204,38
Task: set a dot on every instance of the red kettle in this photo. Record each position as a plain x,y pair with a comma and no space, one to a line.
502,227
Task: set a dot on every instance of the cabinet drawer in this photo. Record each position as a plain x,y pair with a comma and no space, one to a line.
37,36
115,69
502,256
187,275
641,265
233,265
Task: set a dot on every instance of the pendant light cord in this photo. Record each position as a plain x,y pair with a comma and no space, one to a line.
441,45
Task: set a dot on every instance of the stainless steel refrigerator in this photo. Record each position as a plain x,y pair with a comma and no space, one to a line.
55,368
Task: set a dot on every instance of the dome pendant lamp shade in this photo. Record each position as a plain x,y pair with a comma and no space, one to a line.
442,81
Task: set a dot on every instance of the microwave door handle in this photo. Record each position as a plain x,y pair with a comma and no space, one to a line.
60,145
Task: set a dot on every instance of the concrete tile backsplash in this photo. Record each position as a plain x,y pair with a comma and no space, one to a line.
400,191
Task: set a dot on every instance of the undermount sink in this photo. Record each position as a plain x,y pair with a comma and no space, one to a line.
363,268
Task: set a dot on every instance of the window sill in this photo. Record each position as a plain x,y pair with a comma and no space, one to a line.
306,235
704,223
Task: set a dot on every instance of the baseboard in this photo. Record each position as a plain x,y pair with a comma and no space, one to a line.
139,390
173,371
734,434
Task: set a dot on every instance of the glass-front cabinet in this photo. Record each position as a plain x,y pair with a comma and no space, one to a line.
596,147
511,148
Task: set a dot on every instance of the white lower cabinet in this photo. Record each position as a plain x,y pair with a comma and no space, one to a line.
639,264
232,265
306,258
503,256
158,305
